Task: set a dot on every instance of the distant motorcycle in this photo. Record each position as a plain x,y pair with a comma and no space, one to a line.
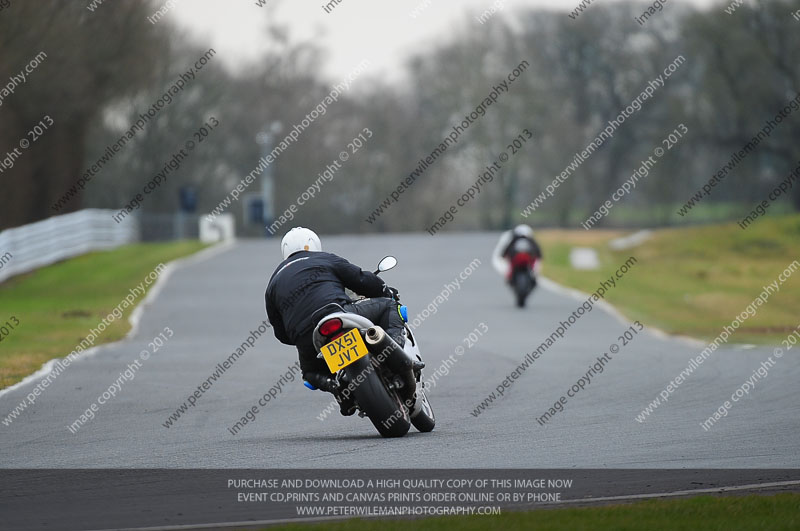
517,256
523,276
383,377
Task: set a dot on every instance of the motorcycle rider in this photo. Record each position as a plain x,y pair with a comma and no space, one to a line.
511,243
309,279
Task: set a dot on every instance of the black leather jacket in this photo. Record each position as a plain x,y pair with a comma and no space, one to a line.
307,281
518,243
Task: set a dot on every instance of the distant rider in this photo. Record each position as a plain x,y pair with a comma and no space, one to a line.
512,243
309,279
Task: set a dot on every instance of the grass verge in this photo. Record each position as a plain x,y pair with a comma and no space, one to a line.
56,306
755,512
693,281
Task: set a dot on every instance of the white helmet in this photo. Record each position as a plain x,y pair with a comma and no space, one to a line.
299,239
523,230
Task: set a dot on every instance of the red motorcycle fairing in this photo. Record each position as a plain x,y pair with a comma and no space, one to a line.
520,261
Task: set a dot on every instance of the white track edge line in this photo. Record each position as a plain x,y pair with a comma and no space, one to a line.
135,316
609,308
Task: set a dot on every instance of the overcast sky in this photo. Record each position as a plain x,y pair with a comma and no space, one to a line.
382,31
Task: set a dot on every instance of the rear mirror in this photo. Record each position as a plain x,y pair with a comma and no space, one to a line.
387,263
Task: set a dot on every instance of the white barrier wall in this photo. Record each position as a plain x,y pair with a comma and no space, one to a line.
221,228
60,237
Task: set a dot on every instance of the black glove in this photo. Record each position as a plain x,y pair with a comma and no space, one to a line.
390,292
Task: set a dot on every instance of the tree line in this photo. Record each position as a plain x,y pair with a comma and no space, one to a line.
737,75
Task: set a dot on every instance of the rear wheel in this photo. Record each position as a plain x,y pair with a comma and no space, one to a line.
383,408
521,288
422,417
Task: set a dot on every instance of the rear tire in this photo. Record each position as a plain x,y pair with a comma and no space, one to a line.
425,420
521,288
383,408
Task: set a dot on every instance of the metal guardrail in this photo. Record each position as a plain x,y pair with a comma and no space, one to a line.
26,248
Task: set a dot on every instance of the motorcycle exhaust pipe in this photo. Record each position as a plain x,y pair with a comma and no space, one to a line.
388,349
395,357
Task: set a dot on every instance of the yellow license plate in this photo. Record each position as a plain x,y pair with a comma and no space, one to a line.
344,350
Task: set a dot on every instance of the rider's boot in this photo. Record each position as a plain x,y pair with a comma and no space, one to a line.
323,382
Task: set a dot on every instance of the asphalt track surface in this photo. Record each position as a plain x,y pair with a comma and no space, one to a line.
213,304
